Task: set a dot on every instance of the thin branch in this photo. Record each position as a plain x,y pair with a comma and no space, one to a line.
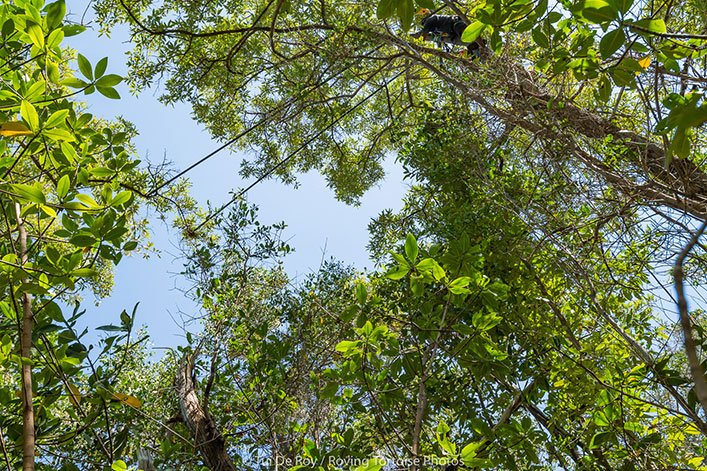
698,374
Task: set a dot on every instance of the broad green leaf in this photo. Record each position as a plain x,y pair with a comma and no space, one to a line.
402,261
55,38
361,293
110,80
29,114
429,265
62,186
469,451
680,144
121,198
604,89
32,193
35,90
35,34
119,465
83,240
399,273
74,82
84,272
411,249
624,5
85,67
386,9
73,30
107,92
87,200
459,285
406,13
649,25
101,69
348,346
59,134
55,14
612,42
57,118
48,210
102,172
473,31
540,38
599,11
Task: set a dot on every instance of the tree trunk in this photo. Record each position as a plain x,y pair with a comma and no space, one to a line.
207,439
28,433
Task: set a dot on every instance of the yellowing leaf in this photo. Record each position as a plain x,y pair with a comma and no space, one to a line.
74,395
14,128
645,62
132,401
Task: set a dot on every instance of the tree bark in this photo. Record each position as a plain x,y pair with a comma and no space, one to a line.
696,371
207,439
28,432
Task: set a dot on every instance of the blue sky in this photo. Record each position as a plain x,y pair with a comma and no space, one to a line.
318,225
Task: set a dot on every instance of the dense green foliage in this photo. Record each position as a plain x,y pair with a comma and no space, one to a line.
516,322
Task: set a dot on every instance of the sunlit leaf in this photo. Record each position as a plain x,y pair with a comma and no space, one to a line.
14,128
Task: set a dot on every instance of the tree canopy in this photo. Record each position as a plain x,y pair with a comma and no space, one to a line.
531,310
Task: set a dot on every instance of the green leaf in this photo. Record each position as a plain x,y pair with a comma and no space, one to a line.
84,272
348,346
361,293
623,5
121,198
398,273
130,246
55,14
386,9
598,439
35,34
8,28
57,118
59,134
101,69
459,286
29,114
540,38
680,144
73,30
88,200
647,24
119,465
102,172
55,38
110,80
406,13
469,451
599,11
35,90
429,265
30,193
74,82
411,249
108,92
604,89
62,186
82,240
473,31
85,67
612,42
